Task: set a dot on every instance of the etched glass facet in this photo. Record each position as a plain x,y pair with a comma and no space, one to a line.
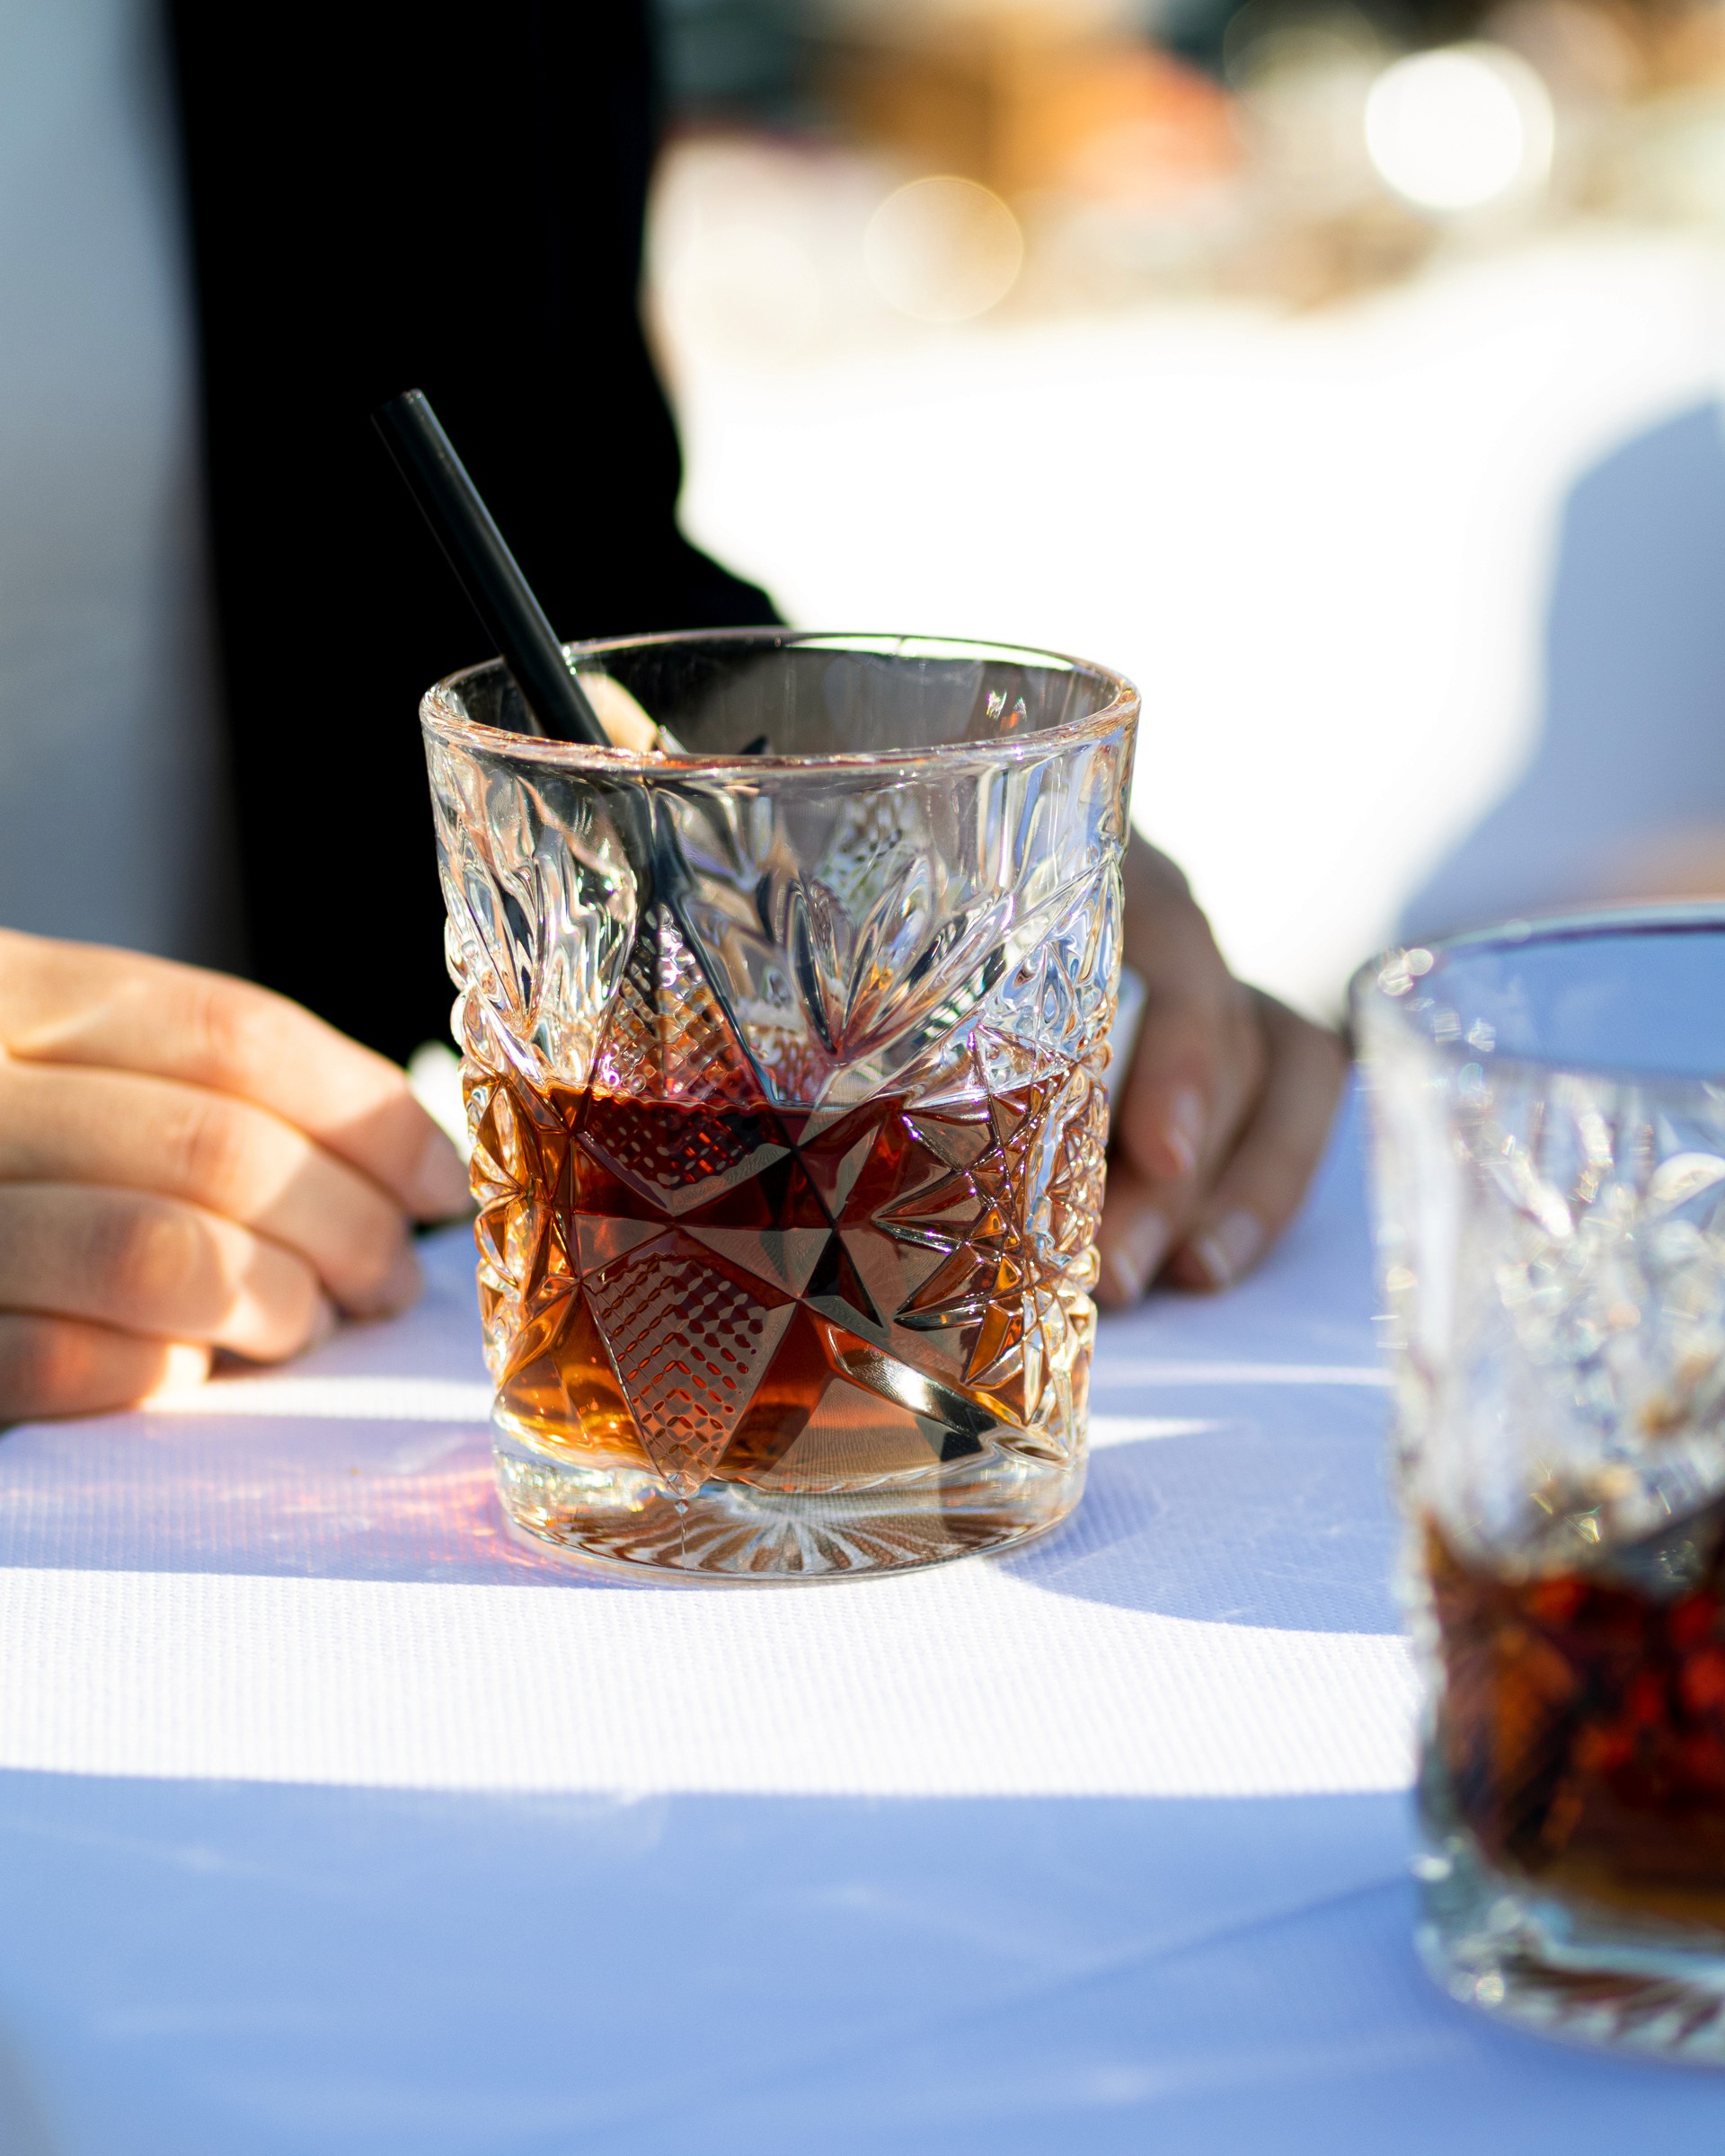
786,1242
1549,1115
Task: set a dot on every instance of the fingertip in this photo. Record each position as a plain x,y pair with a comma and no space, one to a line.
438,1188
1217,1253
1164,1128
1183,1131
185,1367
1116,1288
404,1283
1130,1259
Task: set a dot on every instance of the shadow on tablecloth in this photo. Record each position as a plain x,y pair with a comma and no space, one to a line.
1280,1519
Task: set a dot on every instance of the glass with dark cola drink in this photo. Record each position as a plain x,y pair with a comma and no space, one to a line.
783,1046
1548,1108
1579,1738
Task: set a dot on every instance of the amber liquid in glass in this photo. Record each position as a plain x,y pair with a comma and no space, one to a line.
1583,1726
798,1300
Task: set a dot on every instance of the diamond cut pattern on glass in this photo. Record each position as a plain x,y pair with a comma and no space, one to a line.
665,1037
1553,1248
688,1344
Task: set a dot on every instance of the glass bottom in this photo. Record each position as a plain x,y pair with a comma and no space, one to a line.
1568,1969
625,1521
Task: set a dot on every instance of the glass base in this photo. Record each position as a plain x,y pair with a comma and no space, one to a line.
1575,1970
625,1521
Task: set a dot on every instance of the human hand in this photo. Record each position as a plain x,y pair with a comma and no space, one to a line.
1224,1110
187,1164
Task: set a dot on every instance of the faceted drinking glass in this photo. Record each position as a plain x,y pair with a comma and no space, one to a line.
1548,1109
783,1057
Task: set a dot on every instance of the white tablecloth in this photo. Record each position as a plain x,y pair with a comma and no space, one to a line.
332,1820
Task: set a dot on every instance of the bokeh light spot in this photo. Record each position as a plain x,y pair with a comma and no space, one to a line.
943,250
1460,128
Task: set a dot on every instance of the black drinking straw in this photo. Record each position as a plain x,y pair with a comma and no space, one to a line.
556,706
490,574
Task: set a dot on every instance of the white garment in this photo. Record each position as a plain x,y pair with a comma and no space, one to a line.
1631,751
111,781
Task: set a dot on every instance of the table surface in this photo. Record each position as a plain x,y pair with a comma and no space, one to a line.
331,1819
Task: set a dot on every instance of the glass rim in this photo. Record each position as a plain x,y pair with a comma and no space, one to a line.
441,717
1601,923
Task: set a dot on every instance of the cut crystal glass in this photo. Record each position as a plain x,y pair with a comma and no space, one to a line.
788,1185
1548,1104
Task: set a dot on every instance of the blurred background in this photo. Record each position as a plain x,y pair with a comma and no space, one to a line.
1253,348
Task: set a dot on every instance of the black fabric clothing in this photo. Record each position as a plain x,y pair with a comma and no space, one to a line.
384,198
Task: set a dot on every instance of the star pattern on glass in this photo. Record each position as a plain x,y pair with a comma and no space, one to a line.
798,1295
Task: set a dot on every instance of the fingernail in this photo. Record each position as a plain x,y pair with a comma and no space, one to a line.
1229,1246
438,1188
184,1367
1134,1256
403,1282
324,1324
1183,1133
